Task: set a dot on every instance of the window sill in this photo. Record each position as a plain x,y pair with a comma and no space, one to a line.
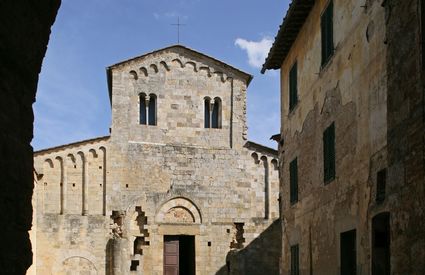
324,67
293,204
330,180
293,110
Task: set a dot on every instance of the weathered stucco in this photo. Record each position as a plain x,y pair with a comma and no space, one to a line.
372,89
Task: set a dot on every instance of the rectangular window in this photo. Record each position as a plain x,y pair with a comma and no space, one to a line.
326,24
348,252
423,31
293,181
329,153
295,260
142,109
381,182
293,89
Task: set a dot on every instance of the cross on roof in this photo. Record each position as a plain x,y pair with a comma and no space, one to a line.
178,29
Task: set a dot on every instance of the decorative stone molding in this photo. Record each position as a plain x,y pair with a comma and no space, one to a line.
152,69
179,210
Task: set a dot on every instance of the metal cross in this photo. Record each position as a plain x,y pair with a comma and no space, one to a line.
178,29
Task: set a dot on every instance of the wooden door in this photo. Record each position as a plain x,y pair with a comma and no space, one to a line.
171,255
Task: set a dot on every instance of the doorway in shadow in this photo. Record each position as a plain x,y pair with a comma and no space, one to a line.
381,244
179,255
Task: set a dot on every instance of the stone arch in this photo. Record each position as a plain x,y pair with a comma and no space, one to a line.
205,69
177,61
142,108
154,68
207,113
216,117
71,157
81,154
193,64
220,75
133,75
255,157
93,153
179,210
144,71
275,164
152,109
164,64
77,262
78,265
50,162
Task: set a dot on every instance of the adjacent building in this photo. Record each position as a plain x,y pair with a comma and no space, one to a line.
352,136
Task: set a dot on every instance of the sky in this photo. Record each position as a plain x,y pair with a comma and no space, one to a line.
72,101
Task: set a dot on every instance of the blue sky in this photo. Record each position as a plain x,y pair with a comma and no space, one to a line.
89,35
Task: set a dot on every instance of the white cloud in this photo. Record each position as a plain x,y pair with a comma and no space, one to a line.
168,15
257,51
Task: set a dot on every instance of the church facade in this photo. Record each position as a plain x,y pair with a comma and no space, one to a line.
175,189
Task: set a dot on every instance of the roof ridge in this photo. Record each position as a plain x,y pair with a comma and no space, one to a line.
55,148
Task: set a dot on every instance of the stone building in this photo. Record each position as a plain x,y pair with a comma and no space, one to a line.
176,187
352,136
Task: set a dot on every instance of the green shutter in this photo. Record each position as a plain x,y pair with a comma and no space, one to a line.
293,181
332,151
295,260
293,87
326,27
329,153
329,30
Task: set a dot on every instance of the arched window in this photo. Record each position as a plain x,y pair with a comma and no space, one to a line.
207,116
152,109
216,114
147,109
142,109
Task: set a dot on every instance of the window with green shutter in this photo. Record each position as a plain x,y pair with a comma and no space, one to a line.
423,31
295,260
326,25
293,89
293,181
329,153
381,181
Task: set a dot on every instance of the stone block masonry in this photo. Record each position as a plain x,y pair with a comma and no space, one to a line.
115,205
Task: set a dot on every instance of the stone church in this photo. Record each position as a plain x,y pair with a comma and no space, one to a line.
176,188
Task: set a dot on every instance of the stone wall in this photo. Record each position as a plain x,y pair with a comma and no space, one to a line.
70,204
230,184
372,90
180,79
406,124
221,186
106,205
349,91
21,22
